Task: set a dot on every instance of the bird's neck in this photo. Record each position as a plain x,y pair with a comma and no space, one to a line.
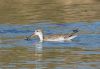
41,37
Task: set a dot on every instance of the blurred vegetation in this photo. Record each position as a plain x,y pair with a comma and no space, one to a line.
29,11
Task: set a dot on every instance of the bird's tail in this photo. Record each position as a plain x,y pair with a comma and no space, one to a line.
75,30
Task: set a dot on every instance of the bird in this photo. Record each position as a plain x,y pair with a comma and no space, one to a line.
53,37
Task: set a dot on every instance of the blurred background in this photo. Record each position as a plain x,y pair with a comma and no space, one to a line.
19,18
31,11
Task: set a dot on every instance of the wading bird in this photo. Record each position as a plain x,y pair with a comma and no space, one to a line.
53,37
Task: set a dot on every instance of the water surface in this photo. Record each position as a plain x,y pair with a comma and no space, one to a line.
83,52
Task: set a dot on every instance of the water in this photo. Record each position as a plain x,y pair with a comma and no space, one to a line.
83,52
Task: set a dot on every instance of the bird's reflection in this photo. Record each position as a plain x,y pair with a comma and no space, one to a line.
38,47
38,54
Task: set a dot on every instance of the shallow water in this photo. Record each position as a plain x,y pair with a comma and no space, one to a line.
83,52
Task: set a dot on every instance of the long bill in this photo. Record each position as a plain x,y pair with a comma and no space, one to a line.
29,37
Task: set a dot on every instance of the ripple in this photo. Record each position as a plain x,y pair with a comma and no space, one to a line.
17,52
